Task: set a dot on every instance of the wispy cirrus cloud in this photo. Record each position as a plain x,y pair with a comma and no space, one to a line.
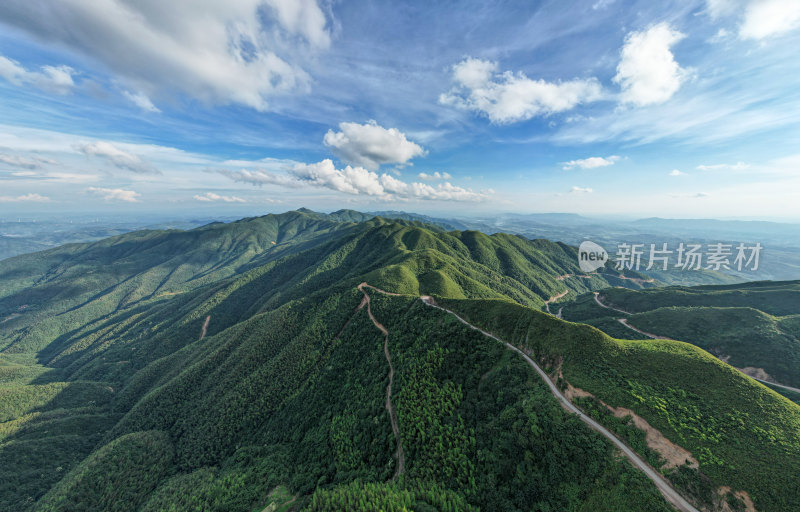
738,166
27,198
55,79
209,197
30,163
238,51
119,158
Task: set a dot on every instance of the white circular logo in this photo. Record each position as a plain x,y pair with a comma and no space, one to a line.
591,256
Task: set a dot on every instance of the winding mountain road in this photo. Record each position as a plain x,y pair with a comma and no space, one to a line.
666,489
553,299
624,321
597,300
400,454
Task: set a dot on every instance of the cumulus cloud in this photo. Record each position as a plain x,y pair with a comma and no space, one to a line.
55,79
141,101
119,158
591,162
738,166
758,19
358,181
115,194
580,190
237,51
434,176
647,72
212,197
355,181
676,172
370,145
511,97
767,18
351,180
27,198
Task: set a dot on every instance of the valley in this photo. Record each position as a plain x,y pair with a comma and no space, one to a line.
227,367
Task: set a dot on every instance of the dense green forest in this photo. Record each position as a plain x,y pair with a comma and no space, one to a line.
234,367
751,325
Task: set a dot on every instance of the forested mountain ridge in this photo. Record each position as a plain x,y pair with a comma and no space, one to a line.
753,326
250,377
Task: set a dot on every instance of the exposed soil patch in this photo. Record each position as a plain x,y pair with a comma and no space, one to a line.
742,496
204,330
672,453
756,373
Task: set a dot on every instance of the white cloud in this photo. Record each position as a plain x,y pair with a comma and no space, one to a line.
361,181
212,197
55,79
33,198
119,158
719,8
435,176
591,162
511,97
676,172
758,19
738,166
115,194
647,71
25,163
351,180
767,18
141,101
259,177
580,190
602,4
370,145
237,51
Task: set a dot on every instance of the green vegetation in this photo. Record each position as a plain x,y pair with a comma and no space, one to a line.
736,323
743,434
741,336
215,370
775,298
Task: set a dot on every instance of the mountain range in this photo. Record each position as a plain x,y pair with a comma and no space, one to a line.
286,362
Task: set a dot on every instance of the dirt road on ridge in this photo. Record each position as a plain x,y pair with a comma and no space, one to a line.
624,321
400,454
666,489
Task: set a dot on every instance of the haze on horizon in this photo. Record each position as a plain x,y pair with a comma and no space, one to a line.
684,109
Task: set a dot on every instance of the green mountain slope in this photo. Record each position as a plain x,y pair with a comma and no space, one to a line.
740,432
240,374
753,326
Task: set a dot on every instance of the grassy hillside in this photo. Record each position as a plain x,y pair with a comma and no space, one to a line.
742,434
744,337
776,298
752,325
214,370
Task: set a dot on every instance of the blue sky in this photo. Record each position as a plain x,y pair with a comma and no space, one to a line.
672,109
